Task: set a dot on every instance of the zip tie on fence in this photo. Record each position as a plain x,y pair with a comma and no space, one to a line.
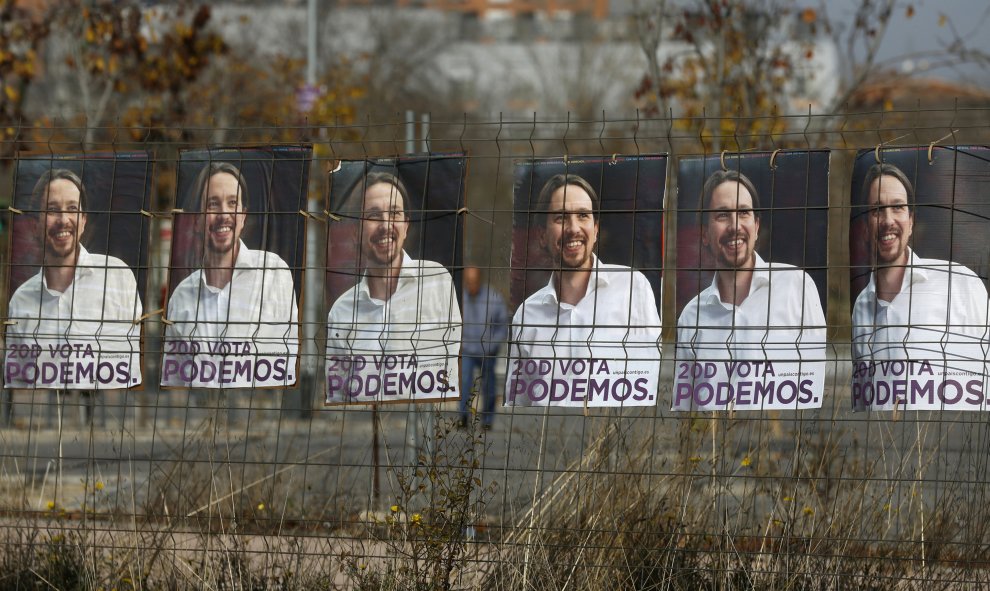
149,315
613,161
177,210
14,210
306,214
467,211
876,151
332,216
721,159
931,146
314,216
147,213
773,157
167,322
9,322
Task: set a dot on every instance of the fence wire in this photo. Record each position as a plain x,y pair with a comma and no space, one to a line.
268,485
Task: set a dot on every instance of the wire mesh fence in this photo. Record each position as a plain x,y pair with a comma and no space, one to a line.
350,469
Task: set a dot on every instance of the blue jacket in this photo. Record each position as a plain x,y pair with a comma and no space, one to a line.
485,323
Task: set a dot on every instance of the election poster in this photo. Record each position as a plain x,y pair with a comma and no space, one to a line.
80,237
235,273
918,257
393,280
586,274
751,281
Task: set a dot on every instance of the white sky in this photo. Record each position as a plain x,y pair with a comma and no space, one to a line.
921,33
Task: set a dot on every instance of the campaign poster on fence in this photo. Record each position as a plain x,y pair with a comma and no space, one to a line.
235,273
918,246
586,273
393,279
81,241
751,281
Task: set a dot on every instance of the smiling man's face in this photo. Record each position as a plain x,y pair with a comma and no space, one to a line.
225,213
384,226
571,229
64,221
732,228
890,221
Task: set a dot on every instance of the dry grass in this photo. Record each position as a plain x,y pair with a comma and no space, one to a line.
728,507
812,518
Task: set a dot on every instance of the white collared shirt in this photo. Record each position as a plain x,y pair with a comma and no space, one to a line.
780,320
99,309
772,342
257,307
616,319
421,318
941,309
602,351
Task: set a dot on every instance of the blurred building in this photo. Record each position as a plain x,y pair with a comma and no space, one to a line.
514,57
